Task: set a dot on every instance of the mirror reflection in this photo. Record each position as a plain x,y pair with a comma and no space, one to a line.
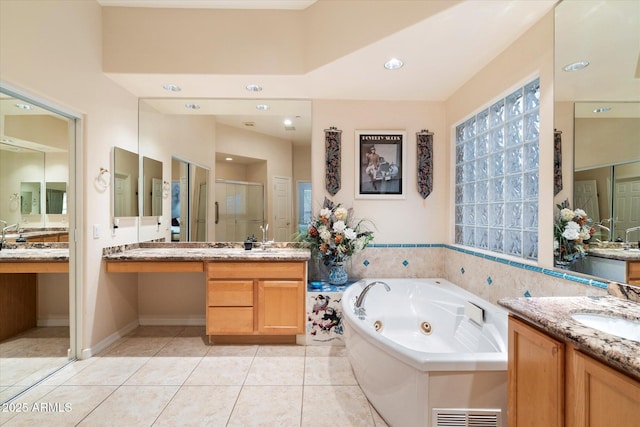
248,146
34,307
597,109
56,197
125,183
189,187
152,187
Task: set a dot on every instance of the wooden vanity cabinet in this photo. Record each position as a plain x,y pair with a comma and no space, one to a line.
545,376
633,272
255,297
535,377
598,395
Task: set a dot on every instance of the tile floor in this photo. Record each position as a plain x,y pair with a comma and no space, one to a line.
169,376
30,356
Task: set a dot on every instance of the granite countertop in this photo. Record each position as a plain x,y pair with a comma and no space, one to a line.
35,252
615,253
205,252
553,314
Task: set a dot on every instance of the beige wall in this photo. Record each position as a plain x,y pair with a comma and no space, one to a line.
529,56
410,220
600,141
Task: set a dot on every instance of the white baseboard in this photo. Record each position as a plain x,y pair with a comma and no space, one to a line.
92,351
53,321
172,321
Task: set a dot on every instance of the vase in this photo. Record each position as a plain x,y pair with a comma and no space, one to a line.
337,274
563,265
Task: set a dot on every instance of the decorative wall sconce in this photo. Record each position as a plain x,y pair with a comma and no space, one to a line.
103,180
332,138
424,141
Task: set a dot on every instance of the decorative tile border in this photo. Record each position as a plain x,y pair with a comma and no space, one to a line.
496,258
547,271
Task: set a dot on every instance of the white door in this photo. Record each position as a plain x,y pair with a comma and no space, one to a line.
282,230
585,195
627,208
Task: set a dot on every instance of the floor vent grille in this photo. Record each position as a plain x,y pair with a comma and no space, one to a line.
445,417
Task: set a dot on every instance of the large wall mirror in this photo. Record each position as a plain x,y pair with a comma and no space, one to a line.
36,328
597,109
125,183
153,185
264,145
34,151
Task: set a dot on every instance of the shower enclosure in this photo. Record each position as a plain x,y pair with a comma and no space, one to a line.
239,210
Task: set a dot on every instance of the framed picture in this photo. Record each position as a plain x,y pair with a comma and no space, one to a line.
380,158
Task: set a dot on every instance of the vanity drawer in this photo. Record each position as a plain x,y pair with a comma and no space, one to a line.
256,270
237,293
229,320
633,272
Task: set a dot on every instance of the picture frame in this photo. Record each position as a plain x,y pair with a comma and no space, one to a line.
379,164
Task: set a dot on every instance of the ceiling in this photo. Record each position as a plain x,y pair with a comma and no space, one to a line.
475,33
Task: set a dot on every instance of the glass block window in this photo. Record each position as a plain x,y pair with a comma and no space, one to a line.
496,194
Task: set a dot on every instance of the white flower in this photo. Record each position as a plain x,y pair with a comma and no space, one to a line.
571,231
585,232
325,234
567,214
324,212
580,213
339,226
556,244
358,244
350,234
341,214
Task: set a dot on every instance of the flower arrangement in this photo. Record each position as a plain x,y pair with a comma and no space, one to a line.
334,235
571,233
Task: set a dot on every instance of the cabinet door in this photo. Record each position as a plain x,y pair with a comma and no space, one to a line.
281,307
598,395
535,377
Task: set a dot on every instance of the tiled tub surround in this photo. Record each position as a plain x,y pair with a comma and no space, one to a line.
553,315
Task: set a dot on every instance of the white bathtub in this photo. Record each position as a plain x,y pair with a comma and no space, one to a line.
453,376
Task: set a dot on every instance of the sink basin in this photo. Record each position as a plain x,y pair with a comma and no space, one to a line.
618,326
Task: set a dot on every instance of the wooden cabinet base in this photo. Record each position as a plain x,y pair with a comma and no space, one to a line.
18,302
251,339
256,299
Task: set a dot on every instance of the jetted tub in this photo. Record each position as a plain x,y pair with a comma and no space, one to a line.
428,353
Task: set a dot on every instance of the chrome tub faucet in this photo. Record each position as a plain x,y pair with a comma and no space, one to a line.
358,307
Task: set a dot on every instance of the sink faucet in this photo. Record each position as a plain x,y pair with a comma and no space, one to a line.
607,229
358,307
265,244
626,244
3,240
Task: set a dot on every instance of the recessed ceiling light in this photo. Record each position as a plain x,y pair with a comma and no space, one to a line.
228,158
192,106
253,88
262,107
576,66
602,110
171,88
25,106
393,64
288,122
